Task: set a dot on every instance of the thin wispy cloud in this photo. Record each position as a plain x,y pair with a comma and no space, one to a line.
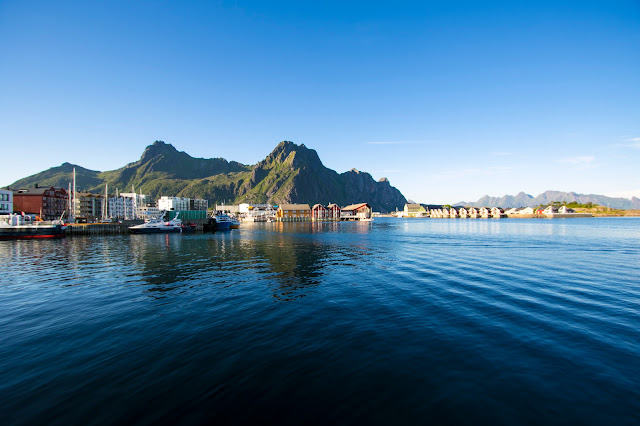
583,160
629,142
634,142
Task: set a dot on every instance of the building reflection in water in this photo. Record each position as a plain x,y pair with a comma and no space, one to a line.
288,259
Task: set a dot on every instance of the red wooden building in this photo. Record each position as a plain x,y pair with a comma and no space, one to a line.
333,212
49,203
318,212
361,211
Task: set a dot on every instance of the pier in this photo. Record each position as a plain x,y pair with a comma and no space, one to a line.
112,228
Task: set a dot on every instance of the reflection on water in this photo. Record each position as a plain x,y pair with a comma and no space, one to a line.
289,256
410,321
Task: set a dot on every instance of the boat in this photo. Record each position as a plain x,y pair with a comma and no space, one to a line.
188,227
218,222
157,226
15,226
235,223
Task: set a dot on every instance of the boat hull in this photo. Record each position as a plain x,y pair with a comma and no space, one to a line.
154,230
32,232
214,225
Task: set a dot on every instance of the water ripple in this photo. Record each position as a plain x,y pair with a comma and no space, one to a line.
407,321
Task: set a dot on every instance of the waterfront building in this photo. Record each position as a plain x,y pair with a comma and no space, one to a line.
198,204
519,211
474,213
318,212
333,211
497,213
485,213
290,212
149,212
453,213
414,210
356,212
256,212
49,203
6,201
181,203
232,208
463,213
127,205
173,203
88,207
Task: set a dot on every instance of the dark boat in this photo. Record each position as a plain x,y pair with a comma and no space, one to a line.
18,227
217,222
188,227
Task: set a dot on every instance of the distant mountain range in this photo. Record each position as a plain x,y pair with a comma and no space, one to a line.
526,200
291,173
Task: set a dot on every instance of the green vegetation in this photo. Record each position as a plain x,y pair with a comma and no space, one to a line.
571,205
290,174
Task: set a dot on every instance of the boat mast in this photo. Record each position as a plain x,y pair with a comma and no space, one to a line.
105,206
69,203
134,204
75,193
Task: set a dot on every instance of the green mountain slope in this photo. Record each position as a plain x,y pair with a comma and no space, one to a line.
290,174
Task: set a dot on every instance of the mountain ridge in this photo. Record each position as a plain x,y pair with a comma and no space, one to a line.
526,200
291,173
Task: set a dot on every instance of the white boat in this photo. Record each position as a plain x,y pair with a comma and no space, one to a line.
16,226
157,226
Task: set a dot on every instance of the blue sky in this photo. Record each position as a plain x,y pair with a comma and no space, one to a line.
450,100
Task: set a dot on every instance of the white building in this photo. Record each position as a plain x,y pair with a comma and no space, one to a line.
127,205
149,212
173,203
6,201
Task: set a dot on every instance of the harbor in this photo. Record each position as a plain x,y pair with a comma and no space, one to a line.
158,321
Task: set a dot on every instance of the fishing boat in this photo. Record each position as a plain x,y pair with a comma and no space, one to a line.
218,222
157,226
15,226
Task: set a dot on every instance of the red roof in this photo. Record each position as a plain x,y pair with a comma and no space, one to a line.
356,206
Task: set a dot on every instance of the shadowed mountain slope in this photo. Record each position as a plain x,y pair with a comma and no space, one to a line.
291,173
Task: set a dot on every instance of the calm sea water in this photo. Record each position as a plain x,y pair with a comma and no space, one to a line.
392,322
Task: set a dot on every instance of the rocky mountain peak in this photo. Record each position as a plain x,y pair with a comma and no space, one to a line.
156,149
295,155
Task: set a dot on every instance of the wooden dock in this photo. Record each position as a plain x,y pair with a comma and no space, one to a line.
111,228
98,228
